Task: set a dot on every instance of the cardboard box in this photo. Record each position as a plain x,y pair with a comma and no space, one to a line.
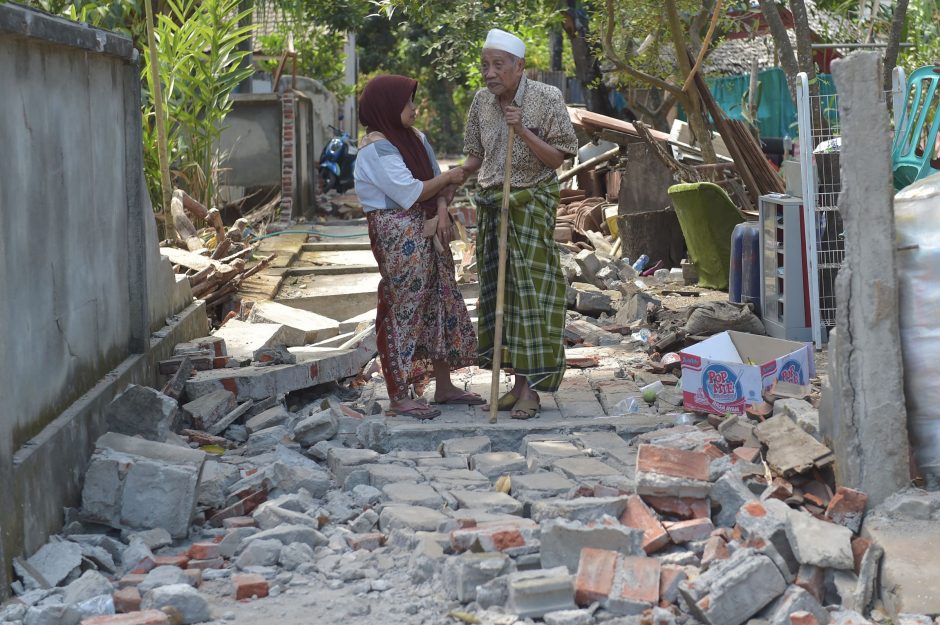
729,371
793,175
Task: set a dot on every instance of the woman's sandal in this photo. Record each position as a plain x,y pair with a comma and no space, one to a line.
529,406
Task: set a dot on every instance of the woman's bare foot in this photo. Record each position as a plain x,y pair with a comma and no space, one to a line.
412,408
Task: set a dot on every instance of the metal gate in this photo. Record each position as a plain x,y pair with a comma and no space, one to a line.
818,121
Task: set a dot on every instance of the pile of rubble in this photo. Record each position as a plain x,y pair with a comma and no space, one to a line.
727,521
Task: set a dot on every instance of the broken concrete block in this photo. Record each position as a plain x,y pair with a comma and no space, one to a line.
569,617
138,484
790,449
670,576
532,594
163,576
496,464
541,485
413,495
579,508
52,614
54,561
638,515
90,584
582,468
415,518
466,446
206,411
487,500
764,526
142,411
267,440
801,411
463,573
314,327
820,543
509,534
636,585
270,515
294,555
192,606
243,339
343,461
320,426
542,454
734,589
274,416
730,493
381,475
592,302
260,552
667,471
287,534
263,382
794,599
563,540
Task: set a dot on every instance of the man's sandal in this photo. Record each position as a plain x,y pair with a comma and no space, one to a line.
530,408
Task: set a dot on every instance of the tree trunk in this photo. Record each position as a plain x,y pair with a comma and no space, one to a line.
805,61
691,102
556,48
894,42
781,42
586,67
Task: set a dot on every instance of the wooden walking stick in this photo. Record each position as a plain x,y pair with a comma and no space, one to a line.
501,280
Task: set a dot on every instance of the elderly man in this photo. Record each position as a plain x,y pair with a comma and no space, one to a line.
534,313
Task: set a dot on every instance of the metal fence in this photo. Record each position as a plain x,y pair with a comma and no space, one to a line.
820,144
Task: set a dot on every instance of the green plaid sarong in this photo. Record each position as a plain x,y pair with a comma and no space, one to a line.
534,311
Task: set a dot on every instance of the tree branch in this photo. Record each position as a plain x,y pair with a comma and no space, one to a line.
894,41
704,49
782,42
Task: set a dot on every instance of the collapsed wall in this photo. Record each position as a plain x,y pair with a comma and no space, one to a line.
82,283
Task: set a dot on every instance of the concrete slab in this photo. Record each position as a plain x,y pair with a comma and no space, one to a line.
350,325
314,327
243,339
910,569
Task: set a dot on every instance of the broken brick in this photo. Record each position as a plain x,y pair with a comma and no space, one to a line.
812,579
638,515
747,454
636,580
670,576
492,537
126,600
691,530
847,507
779,489
715,549
249,586
693,465
595,578
147,617
179,560
243,507
131,579
205,550
683,507
803,618
368,542
712,451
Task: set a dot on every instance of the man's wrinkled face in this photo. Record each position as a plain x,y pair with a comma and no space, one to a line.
501,71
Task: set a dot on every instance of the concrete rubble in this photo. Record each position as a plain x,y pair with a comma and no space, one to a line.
681,524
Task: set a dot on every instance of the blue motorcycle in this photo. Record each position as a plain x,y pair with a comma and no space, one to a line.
338,161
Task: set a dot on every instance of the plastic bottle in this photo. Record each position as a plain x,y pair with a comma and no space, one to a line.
641,263
787,146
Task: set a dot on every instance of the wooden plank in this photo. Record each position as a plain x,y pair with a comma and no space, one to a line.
790,449
188,259
587,119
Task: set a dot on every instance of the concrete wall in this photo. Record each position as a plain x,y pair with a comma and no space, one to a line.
82,284
252,138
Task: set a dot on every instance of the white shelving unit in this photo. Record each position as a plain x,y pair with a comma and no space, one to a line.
784,268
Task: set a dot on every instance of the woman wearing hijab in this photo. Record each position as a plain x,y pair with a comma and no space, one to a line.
422,324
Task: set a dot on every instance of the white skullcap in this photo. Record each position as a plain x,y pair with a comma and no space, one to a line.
498,39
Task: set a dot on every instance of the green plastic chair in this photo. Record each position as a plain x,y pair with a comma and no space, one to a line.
913,153
707,217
